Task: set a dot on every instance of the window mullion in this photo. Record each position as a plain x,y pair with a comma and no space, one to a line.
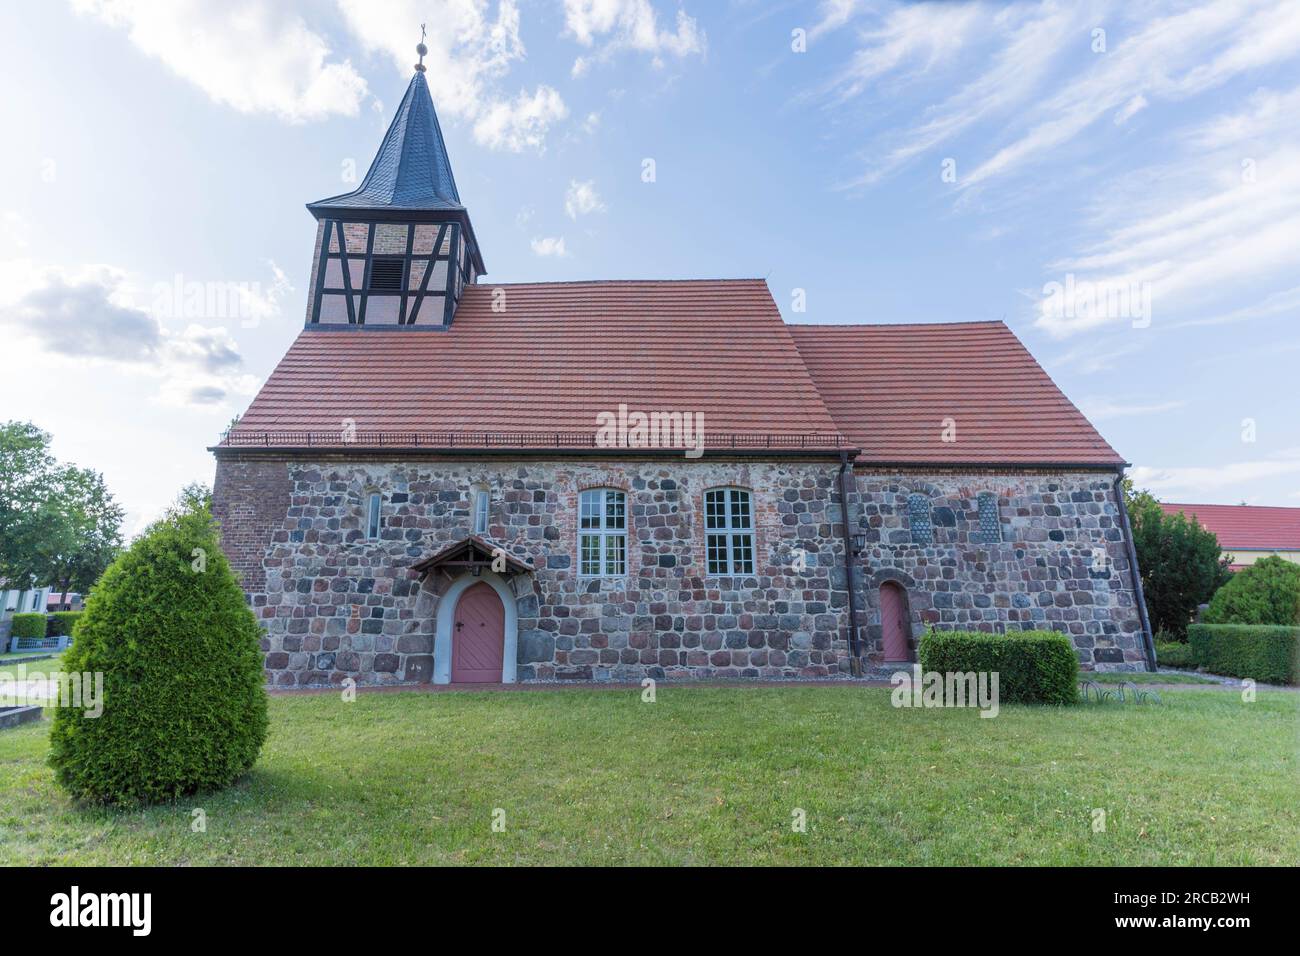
601,563
731,557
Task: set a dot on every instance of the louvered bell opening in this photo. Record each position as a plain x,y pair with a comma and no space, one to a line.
386,274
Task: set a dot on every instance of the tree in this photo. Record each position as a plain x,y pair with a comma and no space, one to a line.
1181,562
58,523
88,535
27,476
184,707
1266,592
196,496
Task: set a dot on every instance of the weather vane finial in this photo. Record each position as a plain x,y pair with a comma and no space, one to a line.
421,49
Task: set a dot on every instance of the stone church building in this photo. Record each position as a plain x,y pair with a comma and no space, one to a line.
451,480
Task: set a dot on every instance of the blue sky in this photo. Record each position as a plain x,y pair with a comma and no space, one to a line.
1119,181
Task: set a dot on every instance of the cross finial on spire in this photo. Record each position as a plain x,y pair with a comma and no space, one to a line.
421,49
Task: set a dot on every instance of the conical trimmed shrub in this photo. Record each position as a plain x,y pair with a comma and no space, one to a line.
184,707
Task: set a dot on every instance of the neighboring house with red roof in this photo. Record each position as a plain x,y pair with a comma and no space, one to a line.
452,480
1247,533
17,601
59,601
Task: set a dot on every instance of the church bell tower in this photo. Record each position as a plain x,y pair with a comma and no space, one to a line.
398,251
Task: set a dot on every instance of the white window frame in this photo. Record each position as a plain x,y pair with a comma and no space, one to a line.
374,515
482,504
736,530
594,503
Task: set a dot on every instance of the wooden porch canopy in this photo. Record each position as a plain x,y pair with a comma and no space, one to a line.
472,554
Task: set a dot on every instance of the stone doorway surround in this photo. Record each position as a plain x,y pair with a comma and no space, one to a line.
874,651
445,631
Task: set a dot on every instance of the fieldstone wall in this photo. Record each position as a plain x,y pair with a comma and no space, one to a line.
337,605
1061,564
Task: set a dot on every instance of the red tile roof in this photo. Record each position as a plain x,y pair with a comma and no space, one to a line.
890,388
559,353
1246,526
562,352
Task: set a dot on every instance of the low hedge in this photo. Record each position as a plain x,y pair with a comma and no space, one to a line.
1033,667
1264,652
1175,654
28,625
61,623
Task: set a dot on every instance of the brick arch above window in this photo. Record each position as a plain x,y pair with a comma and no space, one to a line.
990,517
913,485
611,482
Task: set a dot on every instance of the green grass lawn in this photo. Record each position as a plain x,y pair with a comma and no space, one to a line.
1142,677
51,656
707,775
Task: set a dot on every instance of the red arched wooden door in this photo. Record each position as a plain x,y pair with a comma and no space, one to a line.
478,641
894,625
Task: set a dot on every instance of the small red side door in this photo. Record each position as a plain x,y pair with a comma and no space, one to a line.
478,639
893,622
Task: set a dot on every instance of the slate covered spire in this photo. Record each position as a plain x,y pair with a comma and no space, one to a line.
411,171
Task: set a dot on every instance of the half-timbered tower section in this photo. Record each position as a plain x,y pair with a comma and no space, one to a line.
399,250
448,481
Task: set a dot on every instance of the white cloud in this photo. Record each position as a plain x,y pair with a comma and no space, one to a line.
916,42
1035,85
1203,229
1170,58
254,56
1268,113
610,27
14,230
1195,480
472,48
1099,409
521,123
582,199
92,315
1195,245
1130,109
1099,356
552,246
914,39
835,14
1279,303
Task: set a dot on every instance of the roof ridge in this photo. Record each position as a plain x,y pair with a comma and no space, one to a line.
555,282
895,325
1209,504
